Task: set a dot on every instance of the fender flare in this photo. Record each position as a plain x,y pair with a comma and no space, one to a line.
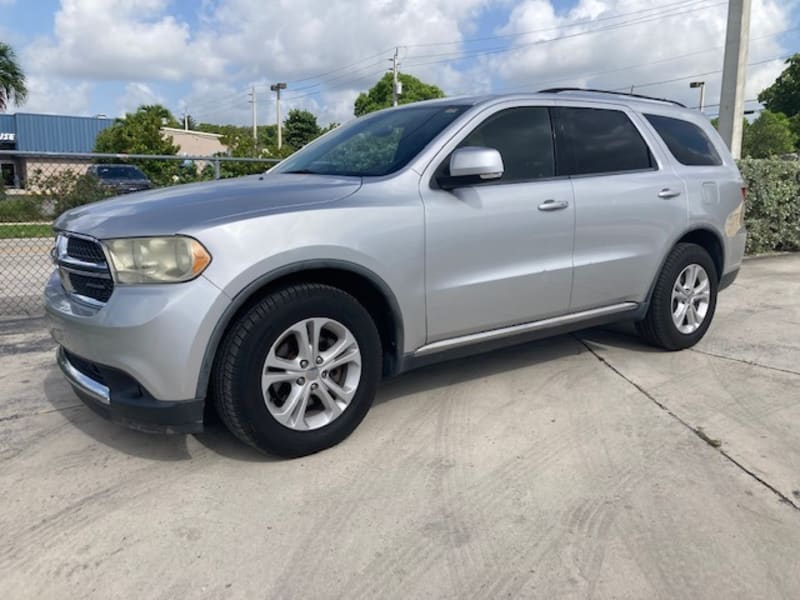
247,293
697,227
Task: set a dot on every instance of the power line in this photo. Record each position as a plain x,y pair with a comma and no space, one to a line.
356,80
674,79
518,47
500,50
542,30
358,62
461,55
548,82
354,76
339,77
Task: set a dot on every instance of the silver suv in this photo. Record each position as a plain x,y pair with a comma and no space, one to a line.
407,236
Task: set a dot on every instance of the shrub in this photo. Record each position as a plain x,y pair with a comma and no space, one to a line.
773,204
19,208
67,189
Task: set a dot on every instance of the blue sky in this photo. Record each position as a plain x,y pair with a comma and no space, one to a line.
108,56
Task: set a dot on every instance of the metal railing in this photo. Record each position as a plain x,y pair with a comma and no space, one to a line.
35,187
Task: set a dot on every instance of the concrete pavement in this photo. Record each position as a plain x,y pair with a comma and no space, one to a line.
581,466
24,268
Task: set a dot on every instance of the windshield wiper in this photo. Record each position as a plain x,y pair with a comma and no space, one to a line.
303,172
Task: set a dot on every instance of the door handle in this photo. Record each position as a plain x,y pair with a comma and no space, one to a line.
549,205
668,193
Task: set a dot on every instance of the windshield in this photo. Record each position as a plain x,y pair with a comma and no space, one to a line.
378,144
119,172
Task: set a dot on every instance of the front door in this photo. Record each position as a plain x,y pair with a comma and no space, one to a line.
500,253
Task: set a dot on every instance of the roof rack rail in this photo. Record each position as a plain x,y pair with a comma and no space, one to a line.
558,90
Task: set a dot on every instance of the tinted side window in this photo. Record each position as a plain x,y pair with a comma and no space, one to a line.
686,141
593,140
523,137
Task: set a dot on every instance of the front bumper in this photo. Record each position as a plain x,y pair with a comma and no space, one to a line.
119,398
138,358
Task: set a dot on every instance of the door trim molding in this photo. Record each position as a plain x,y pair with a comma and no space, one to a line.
492,334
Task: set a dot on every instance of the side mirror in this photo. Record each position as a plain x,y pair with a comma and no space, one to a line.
472,164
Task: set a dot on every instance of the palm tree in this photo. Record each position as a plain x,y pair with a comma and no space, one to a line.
12,79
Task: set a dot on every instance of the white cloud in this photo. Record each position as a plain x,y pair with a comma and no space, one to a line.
46,95
603,59
237,42
270,41
136,94
121,40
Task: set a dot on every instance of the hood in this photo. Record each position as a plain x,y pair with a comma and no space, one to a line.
171,210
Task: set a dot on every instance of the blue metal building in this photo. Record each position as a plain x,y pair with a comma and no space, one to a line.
27,132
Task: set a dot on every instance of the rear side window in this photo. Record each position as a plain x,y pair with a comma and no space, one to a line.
524,138
595,140
686,141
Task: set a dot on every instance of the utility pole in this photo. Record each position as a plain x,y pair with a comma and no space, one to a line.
702,86
277,87
253,102
185,120
734,74
396,86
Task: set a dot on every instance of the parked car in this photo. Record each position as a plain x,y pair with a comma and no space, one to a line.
121,179
407,236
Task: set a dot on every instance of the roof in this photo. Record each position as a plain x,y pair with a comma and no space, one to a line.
192,132
53,133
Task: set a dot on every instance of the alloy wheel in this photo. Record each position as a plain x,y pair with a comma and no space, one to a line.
311,373
691,295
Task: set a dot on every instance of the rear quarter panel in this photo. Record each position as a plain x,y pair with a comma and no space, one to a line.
715,200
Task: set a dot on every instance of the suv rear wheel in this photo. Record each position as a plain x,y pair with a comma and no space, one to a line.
298,371
683,300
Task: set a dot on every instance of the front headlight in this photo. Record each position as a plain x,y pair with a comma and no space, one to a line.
157,259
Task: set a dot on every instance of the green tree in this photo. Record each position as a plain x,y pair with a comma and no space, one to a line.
794,123
380,95
12,79
331,126
783,96
299,128
140,133
769,135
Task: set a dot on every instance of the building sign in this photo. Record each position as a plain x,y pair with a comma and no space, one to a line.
8,137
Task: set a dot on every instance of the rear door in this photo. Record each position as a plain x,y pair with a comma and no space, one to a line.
629,202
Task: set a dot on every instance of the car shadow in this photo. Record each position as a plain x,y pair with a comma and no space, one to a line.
168,448
478,366
217,439
622,336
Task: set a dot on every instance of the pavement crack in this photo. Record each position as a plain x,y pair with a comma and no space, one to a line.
698,431
16,416
744,362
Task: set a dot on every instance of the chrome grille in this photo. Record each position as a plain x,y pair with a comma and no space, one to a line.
84,270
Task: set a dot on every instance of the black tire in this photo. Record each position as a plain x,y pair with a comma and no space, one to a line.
658,328
236,380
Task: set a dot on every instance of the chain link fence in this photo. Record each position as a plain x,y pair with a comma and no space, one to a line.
37,187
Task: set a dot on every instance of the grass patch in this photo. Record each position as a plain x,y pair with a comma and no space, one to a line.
25,230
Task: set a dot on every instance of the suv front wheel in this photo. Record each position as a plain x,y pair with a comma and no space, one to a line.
298,371
683,301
